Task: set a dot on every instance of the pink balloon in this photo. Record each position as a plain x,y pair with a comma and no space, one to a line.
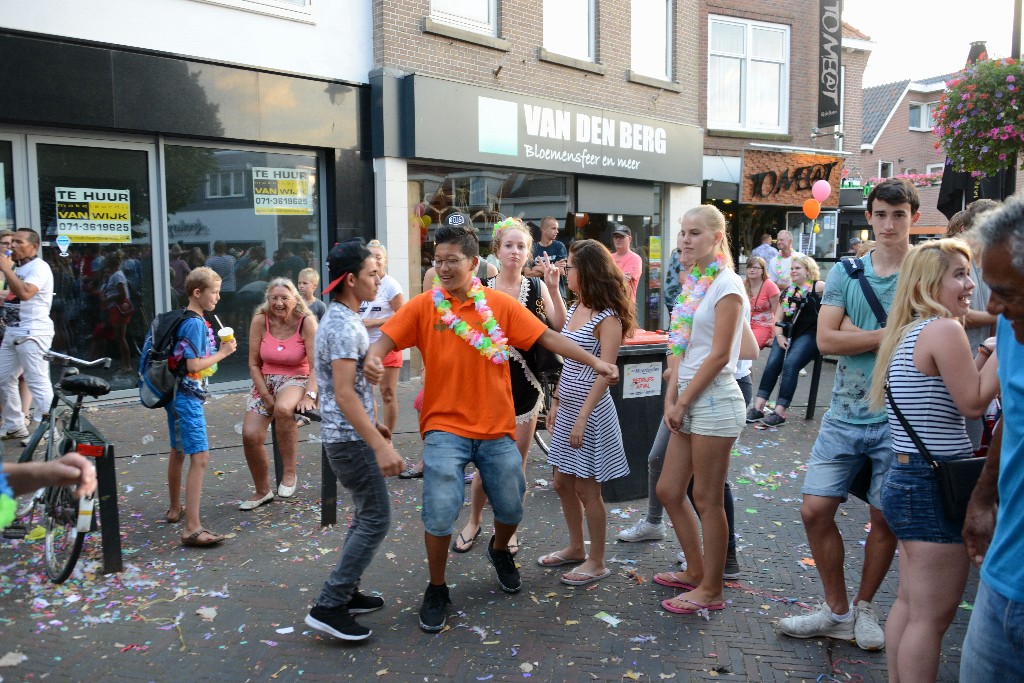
820,190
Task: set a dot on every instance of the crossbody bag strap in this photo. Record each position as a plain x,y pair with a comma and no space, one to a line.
906,426
855,268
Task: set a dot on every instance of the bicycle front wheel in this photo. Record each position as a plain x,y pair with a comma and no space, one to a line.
38,448
63,540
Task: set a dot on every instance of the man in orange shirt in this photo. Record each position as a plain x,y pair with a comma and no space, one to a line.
467,413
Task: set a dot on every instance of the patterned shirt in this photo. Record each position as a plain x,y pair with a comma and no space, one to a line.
341,335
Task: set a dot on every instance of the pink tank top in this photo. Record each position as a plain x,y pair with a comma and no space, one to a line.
284,357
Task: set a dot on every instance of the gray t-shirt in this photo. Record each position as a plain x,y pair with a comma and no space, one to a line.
341,335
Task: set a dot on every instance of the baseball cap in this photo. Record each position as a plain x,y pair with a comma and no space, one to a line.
622,230
454,219
346,257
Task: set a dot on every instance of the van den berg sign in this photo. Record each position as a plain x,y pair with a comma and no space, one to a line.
786,178
459,122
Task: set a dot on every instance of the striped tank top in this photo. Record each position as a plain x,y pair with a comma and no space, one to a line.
926,404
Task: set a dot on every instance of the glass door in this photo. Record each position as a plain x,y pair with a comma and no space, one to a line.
93,202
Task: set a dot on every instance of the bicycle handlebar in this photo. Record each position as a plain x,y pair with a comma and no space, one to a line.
51,356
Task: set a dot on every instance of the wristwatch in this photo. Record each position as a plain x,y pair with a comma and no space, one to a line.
311,394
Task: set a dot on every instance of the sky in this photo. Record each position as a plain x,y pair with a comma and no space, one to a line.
924,39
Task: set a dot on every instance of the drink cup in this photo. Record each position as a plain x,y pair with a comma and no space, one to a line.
226,334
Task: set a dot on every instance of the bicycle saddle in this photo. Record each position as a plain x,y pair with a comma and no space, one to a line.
85,385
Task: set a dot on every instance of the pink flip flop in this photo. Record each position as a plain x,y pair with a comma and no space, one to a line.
672,583
697,607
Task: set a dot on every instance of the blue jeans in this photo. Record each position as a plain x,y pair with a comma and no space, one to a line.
802,351
994,647
445,457
355,466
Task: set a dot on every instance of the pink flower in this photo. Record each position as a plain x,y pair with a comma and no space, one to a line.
1010,78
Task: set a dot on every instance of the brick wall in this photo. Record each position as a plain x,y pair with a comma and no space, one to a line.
854,61
399,42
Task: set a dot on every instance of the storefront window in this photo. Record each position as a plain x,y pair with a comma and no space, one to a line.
485,197
98,198
7,216
819,245
251,216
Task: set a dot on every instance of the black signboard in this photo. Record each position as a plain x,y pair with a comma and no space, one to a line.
830,43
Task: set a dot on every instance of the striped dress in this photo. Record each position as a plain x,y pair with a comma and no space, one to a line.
926,404
602,456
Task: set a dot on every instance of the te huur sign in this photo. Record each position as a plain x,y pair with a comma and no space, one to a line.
785,178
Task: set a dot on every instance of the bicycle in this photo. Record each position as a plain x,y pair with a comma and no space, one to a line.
548,384
63,430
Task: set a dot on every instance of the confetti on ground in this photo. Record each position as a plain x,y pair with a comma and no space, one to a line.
608,619
12,659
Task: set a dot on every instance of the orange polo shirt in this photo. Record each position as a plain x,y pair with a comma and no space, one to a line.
465,393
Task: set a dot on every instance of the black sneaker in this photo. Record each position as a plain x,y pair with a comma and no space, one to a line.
754,415
338,622
732,566
361,604
505,565
433,611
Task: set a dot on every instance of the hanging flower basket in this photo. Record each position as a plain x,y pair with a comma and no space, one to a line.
980,117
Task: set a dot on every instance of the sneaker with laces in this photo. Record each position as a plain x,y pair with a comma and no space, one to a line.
817,623
338,622
773,420
361,604
643,531
732,566
505,566
434,610
868,633
754,415
19,433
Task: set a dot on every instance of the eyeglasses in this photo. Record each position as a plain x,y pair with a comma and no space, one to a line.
450,262
568,268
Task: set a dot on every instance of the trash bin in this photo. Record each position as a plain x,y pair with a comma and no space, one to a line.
639,401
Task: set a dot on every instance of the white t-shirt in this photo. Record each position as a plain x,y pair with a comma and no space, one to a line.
727,282
381,306
32,316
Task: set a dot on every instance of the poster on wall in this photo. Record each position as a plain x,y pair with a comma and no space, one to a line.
87,214
281,191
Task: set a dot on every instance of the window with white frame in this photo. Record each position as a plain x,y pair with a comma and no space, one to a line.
569,28
922,115
479,16
225,184
298,10
934,168
651,38
748,75
885,169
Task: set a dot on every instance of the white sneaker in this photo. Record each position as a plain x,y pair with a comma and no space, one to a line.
19,433
643,531
868,633
816,623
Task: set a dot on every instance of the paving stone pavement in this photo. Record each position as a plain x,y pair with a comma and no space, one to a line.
234,612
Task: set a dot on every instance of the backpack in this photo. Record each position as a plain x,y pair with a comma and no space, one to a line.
159,369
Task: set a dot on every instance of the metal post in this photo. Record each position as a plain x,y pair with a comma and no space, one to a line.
278,463
812,396
328,491
110,524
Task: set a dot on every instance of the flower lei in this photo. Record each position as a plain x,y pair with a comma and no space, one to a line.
7,503
689,299
777,267
794,295
491,343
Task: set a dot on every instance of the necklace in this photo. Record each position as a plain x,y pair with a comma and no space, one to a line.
491,343
689,299
794,295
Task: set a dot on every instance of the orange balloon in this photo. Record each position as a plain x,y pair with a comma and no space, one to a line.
812,207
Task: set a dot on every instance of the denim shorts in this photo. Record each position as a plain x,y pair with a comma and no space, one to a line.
839,452
445,457
719,411
912,504
186,423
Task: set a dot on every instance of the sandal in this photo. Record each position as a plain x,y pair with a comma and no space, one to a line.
513,547
467,544
192,540
175,520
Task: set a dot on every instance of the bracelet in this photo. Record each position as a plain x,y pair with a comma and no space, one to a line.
985,350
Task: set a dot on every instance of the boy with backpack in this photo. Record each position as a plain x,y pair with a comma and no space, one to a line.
358,450
196,349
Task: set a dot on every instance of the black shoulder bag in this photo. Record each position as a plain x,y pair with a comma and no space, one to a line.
861,483
957,478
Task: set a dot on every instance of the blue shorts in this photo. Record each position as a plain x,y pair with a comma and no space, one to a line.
445,457
839,452
186,423
912,504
